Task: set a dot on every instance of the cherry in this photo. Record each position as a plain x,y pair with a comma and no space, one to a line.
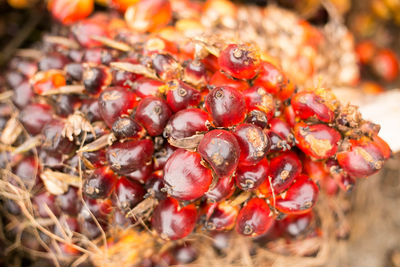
299,198
258,98
254,218
251,177
126,127
23,94
96,78
69,202
186,123
240,61
130,156
226,106
114,102
100,183
181,96
253,143
128,194
54,141
221,216
283,170
185,177
221,150
274,81
153,113
220,79
144,87
35,116
42,200
194,73
318,140
309,105
173,222
224,189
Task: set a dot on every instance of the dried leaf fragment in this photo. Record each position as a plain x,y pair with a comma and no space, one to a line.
75,125
57,183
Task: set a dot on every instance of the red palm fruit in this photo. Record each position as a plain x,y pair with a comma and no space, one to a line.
186,123
386,65
253,143
383,146
314,169
97,56
54,141
290,116
274,81
194,73
319,140
25,66
69,202
283,170
158,44
363,158
53,60
130,156
173,222
220,79
122,5
142,174
28,171
154,186
373,88
278,143
254,218
114,102
185,177
35,116
282,129
66,104
47,80
148,15
14,78
365,51
181,96
70,11
240,61
165,66
128,193
309,105
221,150
90,107
96,79
258,118
299,198
153,114
162,155
251,177
295,225
144,87
124,78
43,200
185,253
84,29
94,159
224,189
220,216
257,98
100,183
127,128
226,106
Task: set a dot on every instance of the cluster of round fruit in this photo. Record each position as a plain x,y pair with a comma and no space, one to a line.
172,135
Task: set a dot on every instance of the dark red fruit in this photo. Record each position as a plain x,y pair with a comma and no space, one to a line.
181,96
128,194
222,190
174,222
319,140
153,113
96,78
74,71
114,102
240,61
299,198
144,87
23,94
220,217
166,67
69,202
162,155
220,79
186,123
221,150
35,116
253,143
53,60
185,177
309,105
194,73
54,141
257,98
154,186
124,78
43,200
94,159
185,253
28,171
100,183
90,107
251,177
257,118
126,127
130,156
283,170
255,218
142,174
281,128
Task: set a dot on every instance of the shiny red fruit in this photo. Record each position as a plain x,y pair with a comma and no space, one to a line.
194,73
254,218
96,78
68,12
186,123
173,222
142,174
299,198
100,183
126,127
258,98
23,94
221,150
54,141
86,28
130,156
226,106
69,202
28,171
153,114
308,105
224,189
165,66
185,177
220,79
253,143
181,96
35,116
386,65
251,177
240,61
147,87
319,140
221,216
128,194
258,118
